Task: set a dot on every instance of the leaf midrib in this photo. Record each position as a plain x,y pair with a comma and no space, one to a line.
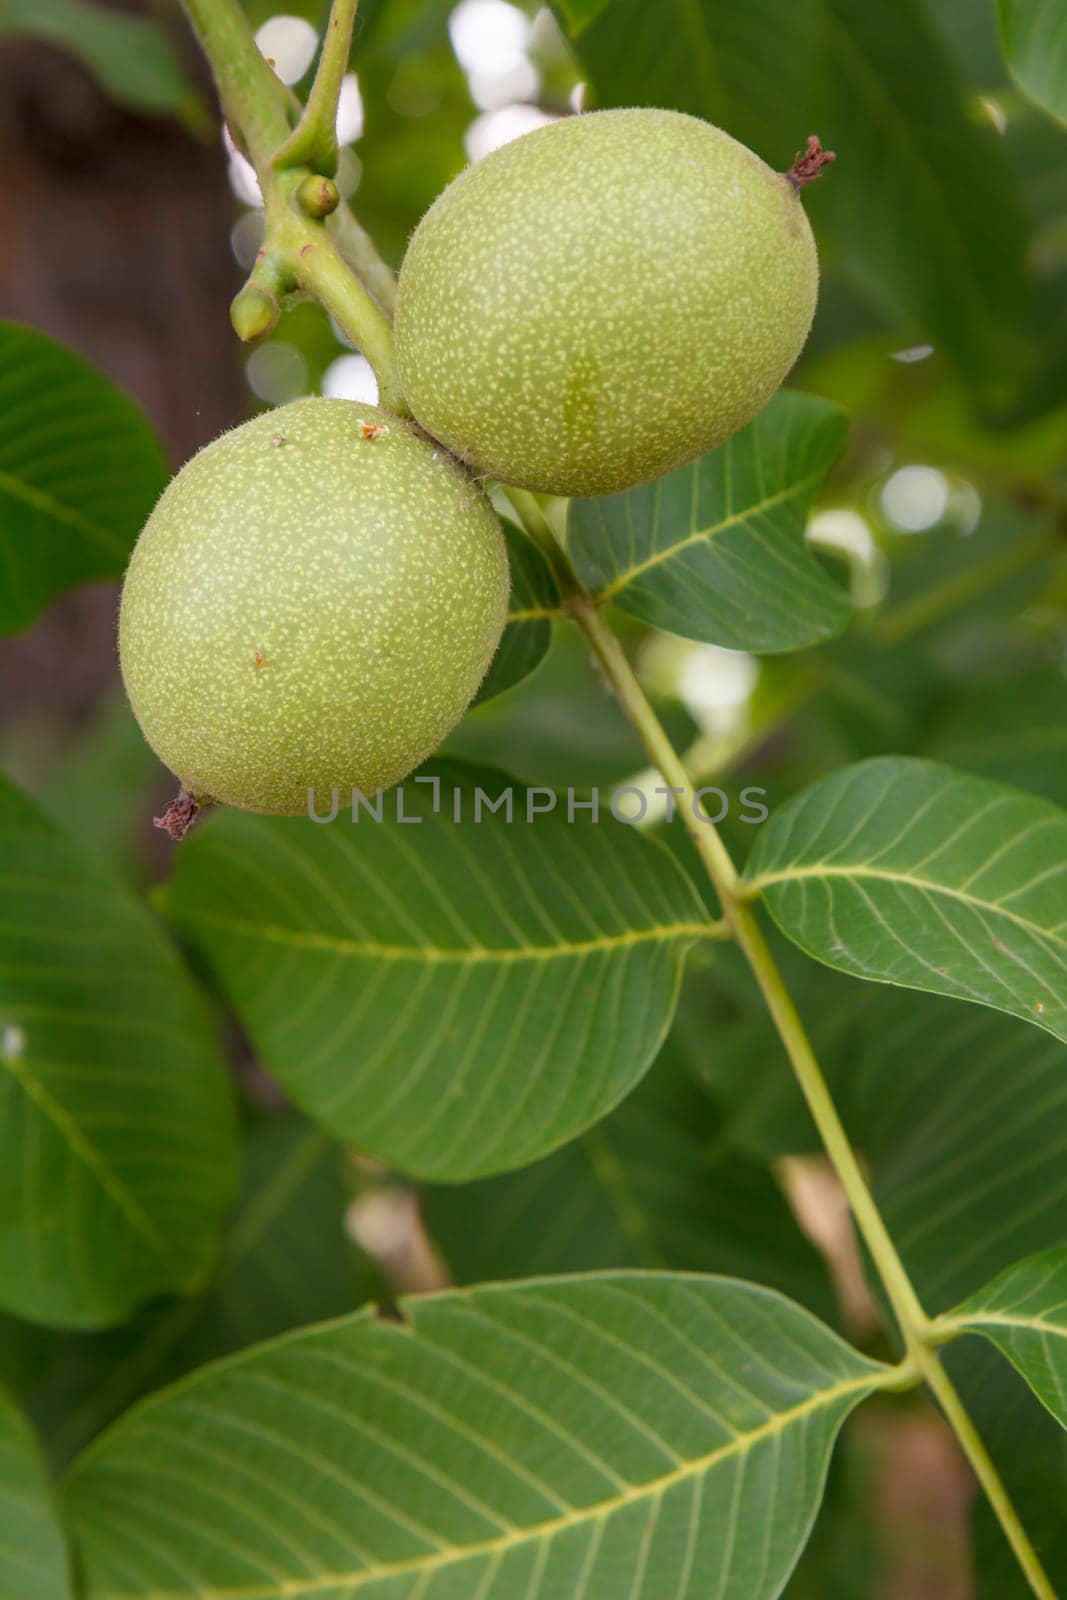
755,886
974,1322
52,507
434,955
534,614
300,1588
623,579
84,1151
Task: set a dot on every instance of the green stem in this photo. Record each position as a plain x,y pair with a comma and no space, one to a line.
320,269
313,142
361,253
982,1466
252,96
298,252
540,531
918,1332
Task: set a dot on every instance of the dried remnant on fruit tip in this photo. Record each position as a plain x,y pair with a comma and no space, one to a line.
809,163
180,815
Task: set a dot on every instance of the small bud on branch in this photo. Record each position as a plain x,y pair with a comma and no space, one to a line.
253,312
318,196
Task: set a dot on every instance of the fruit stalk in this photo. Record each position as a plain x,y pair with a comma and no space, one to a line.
313,142
359,250
252,98
319,269
298,252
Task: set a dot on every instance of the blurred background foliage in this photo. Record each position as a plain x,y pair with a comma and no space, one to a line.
125,224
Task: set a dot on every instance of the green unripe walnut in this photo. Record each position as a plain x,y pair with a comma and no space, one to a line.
603,300
313,603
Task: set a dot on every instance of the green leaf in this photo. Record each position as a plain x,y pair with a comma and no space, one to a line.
947,582
1023,1312
1011,729
580,13
33,1557
919,212
104,784
1030,1451
80,470
286,1260
907,872
533,604
116,1122
550,1438
961,1112
132,58
655,1185
716,550
558,727
924,219
962,1116
455,997
750,69
747,1072
1034,36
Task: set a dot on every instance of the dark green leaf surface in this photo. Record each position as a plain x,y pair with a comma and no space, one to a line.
455,997
654,1185
907,872
962,1115
1014,730
716,550
116,1126
750,69
560,1437
1034,36
131,57
580,13
918,212
960,1112
1030,1449
33,1557
80,470
286,1260
1023,1312
557,727
732,1049
533,604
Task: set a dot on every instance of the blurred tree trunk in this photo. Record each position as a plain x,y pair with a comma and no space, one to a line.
113,239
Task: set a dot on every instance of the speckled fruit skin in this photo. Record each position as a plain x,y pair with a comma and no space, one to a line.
309,606
603,300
